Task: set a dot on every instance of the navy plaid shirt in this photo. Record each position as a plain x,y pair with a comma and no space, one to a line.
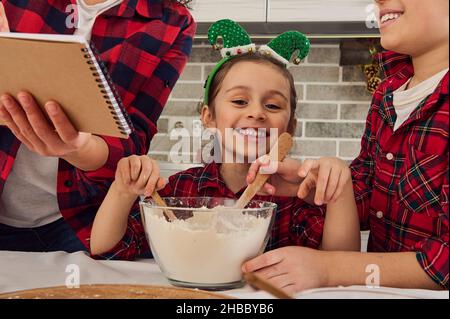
145,45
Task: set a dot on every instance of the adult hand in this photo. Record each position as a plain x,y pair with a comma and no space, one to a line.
27,122
4,26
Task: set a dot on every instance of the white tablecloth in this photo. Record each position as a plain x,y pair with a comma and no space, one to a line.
22,270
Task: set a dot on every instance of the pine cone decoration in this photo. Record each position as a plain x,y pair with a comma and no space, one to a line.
373,83
371,70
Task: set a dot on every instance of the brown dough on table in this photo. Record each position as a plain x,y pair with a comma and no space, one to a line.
113,292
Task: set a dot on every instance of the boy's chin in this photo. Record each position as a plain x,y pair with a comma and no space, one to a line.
399,42
392,43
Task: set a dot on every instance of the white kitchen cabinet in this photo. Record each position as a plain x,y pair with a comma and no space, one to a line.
238,10
319,10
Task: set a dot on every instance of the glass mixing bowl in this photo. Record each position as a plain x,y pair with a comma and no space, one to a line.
207,244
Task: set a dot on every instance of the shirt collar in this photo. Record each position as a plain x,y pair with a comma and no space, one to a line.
397,69
210,177
397,64
400,66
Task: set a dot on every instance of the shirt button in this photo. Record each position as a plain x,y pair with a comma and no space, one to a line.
68,183
380,214
390,156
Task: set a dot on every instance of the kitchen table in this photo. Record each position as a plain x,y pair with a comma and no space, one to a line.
26,270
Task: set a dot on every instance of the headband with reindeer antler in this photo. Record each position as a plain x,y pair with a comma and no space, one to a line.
289,48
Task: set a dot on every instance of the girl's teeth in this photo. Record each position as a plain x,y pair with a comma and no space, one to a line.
252,132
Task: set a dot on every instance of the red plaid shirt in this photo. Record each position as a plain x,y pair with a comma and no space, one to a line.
296,222
401,178
145,45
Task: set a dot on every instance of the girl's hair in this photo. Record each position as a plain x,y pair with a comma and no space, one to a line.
261,59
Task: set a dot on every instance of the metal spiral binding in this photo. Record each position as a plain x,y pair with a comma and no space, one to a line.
110,94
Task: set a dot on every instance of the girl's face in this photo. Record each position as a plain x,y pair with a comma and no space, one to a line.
253,99
413,26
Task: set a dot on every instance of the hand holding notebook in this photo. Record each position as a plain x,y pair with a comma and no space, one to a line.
63,68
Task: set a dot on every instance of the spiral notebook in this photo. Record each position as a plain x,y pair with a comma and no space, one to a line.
64,68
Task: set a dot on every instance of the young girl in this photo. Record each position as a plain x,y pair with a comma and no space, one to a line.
238,100
400,178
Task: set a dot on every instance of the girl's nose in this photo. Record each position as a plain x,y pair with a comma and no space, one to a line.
256,112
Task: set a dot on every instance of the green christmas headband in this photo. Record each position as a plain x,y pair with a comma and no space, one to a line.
289,48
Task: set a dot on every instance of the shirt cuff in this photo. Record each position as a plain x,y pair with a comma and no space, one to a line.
432,255
116,151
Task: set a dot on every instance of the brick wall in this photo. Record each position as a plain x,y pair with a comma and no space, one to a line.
333,101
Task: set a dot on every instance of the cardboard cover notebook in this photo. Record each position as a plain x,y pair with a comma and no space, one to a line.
64,68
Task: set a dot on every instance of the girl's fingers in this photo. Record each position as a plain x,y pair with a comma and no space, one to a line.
254,168
145,173
321,185
123,171
135,167
162,182
333,183
152,181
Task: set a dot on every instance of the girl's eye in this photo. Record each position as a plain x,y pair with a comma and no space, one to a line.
273,106
240,102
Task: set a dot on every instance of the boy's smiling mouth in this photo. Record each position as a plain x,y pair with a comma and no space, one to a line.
389,16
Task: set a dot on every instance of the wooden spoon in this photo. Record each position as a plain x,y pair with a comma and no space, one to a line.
281,148
170,215
257,282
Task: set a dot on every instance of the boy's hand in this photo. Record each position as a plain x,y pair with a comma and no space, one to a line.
138,175
4,26
326,176
291,269
316,181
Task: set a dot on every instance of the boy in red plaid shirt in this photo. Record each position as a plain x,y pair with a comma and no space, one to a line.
400,177
236,99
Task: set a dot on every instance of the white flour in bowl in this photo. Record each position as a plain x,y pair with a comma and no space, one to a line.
208,248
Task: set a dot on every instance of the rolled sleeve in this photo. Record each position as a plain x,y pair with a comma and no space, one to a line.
307,228
432,255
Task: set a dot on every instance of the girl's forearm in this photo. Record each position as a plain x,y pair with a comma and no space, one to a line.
111,221
341,228
400,270
91,157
